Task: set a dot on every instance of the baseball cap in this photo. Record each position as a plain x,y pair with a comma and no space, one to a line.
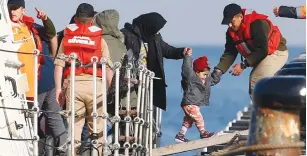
18,3
200,64
229,12
85,10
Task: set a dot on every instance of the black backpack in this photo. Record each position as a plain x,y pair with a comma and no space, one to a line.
123,80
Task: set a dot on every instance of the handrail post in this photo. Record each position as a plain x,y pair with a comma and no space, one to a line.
71,152
275,117
105,115
94,141
128,117
35,104
116,118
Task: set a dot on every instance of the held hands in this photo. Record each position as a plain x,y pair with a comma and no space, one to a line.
236,70
276,11
41,14
187,51
216,76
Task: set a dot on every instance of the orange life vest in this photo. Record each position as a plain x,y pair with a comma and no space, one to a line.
243,40
29,21
85,41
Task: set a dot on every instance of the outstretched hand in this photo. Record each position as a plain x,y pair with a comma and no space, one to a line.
187,51
236,70
276,11
41,14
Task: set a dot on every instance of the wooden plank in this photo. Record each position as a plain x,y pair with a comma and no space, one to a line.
196,144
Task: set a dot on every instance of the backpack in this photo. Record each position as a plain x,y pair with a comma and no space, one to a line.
123,83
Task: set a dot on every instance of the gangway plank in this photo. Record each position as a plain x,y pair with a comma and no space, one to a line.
196,144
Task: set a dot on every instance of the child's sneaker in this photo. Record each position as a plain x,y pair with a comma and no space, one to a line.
180,138
207,134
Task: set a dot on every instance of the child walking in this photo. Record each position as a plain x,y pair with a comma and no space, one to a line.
196,84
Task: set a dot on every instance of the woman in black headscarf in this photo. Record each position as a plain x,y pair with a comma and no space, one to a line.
144,30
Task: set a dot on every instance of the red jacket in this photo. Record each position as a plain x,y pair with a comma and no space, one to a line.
85,41
243,40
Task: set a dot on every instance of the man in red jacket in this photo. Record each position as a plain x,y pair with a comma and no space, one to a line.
258,41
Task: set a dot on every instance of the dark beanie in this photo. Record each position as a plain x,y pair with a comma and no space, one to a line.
17,3
72,20
85,10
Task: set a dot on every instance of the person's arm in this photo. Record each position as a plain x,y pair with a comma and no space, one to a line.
106,54
187,68
53,46
292,12
259,30
58,73
229,56
169,51
47,32
215,77
49,28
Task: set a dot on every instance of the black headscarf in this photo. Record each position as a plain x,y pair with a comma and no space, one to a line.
149,24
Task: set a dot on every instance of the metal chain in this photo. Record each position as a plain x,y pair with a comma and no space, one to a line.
26,53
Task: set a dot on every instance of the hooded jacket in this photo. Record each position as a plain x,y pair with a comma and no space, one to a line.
108,21
146,28
195,92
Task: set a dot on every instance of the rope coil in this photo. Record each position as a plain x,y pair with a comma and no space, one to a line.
253,148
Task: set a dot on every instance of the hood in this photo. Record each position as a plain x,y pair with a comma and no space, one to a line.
149,24
133,29
108,21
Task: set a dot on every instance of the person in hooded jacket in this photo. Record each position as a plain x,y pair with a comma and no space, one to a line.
143,39
108,21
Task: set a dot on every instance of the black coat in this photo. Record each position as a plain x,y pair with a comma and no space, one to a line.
162,50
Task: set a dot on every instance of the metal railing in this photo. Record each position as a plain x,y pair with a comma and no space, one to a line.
142,131
142,122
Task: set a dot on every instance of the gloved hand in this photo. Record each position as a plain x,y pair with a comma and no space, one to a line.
216,76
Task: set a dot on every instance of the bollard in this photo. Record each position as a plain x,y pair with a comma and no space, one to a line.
297,68
275,116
